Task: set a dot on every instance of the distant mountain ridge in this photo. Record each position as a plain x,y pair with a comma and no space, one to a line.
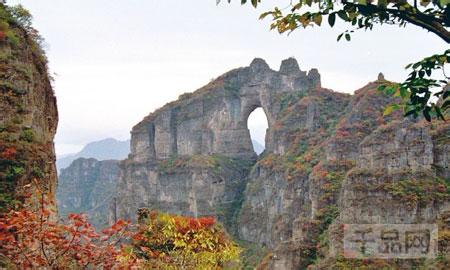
105,149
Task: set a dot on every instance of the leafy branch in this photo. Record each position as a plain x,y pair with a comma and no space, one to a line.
420,91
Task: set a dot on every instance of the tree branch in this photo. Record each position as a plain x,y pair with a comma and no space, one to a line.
430,23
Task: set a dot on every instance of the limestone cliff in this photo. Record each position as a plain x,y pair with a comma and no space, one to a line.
28,113
330,159
88,186
193,156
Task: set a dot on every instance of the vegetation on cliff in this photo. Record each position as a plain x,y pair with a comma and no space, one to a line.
28,116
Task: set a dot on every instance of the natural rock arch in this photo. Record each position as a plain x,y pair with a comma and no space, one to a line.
257,125
213,119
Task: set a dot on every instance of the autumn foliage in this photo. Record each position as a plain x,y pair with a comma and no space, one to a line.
165,241
8,153
32,238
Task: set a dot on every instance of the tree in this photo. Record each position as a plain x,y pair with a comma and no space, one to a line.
165,241
31,238
421,92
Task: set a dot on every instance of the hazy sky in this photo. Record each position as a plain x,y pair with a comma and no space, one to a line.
117,61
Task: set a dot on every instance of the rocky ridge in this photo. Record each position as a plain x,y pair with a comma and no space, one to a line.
330,159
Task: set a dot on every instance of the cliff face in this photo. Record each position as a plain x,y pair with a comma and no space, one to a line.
87,186
193,156
29,116
330,159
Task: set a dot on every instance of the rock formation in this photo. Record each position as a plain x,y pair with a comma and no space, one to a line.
88,186
330,159
193,156
29,116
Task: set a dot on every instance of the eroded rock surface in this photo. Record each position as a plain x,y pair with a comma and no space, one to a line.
330,159
28,113
88,186
204,137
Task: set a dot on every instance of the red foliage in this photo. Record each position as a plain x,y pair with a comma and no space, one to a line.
320,171
8,153
207,221
441,188
30,238
2,36
340,133
183,224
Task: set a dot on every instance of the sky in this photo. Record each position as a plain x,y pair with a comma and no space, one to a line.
115,62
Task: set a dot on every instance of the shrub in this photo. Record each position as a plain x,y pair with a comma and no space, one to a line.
14,172
12,38
174,242
30,239
27,135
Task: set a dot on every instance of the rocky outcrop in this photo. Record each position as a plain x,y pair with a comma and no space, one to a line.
88,186
209,125
330,159
29,116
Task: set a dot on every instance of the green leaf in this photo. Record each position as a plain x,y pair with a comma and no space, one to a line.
446,105
347,37
340,36
343,15
332,19
318,19
426,114
446,94
382,3
439,113
403,92
413,111
255,3
264,15
381,87
390,90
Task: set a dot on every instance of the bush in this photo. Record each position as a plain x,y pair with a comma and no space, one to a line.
174,242
12,38
30,238
27,135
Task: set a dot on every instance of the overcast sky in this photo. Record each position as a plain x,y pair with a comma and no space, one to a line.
117,61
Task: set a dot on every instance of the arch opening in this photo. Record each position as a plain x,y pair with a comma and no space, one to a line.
257,125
